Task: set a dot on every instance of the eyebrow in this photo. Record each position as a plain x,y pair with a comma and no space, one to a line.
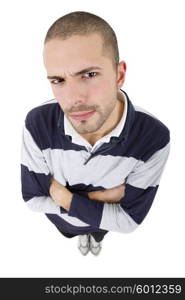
77,73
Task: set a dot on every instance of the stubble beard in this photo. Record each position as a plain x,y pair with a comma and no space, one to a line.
86,126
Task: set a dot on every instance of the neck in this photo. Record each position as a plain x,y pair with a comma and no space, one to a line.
109,125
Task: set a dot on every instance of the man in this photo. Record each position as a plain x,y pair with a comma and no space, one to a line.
91,160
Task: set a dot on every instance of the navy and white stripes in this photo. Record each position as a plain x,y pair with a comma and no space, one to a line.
136,157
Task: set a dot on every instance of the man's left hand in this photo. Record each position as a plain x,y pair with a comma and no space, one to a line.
60,194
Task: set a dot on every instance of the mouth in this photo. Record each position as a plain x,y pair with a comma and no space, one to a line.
82,115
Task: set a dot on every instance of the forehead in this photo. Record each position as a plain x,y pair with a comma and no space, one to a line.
75,52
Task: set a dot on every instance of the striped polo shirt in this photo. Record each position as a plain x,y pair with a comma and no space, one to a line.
134,153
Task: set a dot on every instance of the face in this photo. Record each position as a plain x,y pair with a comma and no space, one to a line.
84,81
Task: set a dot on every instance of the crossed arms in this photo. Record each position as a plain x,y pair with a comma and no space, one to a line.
63,197
119,209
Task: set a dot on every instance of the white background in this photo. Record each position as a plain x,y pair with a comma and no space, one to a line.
151,41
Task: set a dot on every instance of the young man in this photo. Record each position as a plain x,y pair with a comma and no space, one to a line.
91,160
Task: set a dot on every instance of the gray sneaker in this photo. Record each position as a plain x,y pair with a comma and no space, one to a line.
83,243
95,247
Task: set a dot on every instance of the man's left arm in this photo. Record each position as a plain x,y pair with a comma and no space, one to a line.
140,189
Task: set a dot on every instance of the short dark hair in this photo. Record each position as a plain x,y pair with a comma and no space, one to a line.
84,23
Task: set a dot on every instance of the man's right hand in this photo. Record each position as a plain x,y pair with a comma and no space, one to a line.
110,195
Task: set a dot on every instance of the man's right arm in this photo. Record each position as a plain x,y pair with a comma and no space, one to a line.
36,178
112,195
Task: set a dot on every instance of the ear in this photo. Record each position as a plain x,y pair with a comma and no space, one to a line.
122,67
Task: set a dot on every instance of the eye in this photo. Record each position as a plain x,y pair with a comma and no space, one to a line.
56,81
90,74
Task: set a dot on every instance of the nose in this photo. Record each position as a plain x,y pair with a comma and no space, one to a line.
75,94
